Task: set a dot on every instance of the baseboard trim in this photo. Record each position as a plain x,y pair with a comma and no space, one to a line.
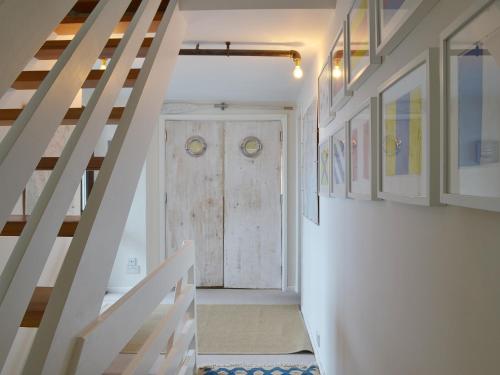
315,346
291,289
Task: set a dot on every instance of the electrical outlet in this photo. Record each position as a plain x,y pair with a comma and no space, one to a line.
318,339
132,262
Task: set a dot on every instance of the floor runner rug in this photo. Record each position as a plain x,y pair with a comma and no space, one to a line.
312,370
251,329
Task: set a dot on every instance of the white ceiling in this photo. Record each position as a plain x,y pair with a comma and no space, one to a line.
247,79
255,4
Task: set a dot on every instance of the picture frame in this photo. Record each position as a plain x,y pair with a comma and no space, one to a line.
362,59
339,162
324,95
324,167
362,152
470,131
408,133
310,199
395,19
340,95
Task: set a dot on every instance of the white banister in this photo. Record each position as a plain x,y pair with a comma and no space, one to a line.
27,140
187,368
30,254
144,360
174,359
103,339
78,291
24,27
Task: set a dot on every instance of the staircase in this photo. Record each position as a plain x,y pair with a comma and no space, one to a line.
72,335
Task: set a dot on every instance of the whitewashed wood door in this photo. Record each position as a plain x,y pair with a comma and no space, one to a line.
194,187
252,207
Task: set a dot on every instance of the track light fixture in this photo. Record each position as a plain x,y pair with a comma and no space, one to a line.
294,55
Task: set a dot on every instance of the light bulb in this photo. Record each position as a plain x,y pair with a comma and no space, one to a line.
104,64
337,73
297,72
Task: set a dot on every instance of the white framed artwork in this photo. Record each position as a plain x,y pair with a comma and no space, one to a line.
396,19
324,95
470,59
362,153
408,137
362,59
310,206
340,95
339,163
324,167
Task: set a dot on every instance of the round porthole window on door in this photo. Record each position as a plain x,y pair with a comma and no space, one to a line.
195,146
251,147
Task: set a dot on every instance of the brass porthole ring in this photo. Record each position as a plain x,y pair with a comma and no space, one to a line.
196,146
251,147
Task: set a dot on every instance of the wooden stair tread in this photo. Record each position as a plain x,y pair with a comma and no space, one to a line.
36,308
31,79
9,116
80,11
16,223
52,49
48,163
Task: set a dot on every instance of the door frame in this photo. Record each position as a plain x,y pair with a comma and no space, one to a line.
155,181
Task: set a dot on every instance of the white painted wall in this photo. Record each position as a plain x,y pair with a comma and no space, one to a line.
398,289
133,243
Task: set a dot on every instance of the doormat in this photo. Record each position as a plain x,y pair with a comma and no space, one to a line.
311,370
251,329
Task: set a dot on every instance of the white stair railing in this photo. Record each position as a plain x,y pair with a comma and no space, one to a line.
86,269
77,295
116,326
25,143
30,254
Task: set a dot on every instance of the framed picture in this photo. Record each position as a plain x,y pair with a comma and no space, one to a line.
324,95
339,93
324,167
409,133
362,155
339,163
362,59
470,52
310,163
396,19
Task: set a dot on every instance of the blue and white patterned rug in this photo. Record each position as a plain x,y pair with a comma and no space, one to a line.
312,370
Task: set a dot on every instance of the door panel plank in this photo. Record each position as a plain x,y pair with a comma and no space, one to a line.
195,196
252,209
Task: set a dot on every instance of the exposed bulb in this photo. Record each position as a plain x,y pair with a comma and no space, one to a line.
297,72
104,64
337,73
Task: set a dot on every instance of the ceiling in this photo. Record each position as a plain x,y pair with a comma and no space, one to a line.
255,4
247,79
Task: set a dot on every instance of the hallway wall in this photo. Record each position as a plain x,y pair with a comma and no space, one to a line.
391,289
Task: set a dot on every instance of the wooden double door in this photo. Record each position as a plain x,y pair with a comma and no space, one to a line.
223,182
